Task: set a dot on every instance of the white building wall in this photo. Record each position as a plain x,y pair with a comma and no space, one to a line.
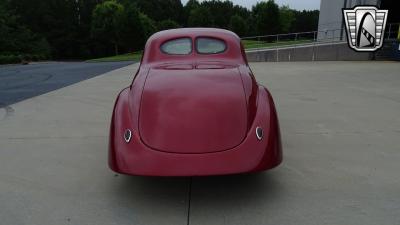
331,24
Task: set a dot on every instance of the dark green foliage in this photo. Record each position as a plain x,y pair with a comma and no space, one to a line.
106,24
306,20
167,24
65,24
266,16
77,29
8,59
132,30
220,11
216,13
148,25
51,19
86,45
238,25
190,5
200,17
159,10
16,39
287,17
241,11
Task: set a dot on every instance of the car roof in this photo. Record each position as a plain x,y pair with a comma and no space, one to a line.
152,53
216,32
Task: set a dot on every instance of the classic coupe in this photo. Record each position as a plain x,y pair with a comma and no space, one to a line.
194,108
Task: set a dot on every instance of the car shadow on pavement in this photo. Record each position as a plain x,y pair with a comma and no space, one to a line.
150,200
148,186
235,191
232,193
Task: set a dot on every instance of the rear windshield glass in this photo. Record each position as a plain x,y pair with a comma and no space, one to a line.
207,45
181,46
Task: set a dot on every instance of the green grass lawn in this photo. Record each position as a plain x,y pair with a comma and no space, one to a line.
248,44
136,56
252,44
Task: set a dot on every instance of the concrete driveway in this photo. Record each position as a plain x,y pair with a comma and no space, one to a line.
340,125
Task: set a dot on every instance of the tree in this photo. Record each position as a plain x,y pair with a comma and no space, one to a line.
238,25
266,15
55,20
132,34
159,10
220,11
200,17
306,20
87,46
148,26
16,39
72,28
241,11
167,24
65,24
106,22
190,5
287,18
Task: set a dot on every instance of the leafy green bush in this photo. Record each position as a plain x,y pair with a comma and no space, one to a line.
167,24
9,59
27,57
238,25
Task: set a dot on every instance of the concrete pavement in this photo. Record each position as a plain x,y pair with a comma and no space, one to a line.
340,125
53,166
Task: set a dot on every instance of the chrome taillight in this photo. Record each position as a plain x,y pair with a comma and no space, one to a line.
127,135
259,133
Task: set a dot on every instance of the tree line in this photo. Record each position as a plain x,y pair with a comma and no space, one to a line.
81,29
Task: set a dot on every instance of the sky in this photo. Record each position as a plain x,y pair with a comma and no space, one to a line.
294,4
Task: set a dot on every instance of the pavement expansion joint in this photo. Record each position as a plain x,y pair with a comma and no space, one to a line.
189,199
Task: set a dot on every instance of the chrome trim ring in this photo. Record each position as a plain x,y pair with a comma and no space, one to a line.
259,133
127,135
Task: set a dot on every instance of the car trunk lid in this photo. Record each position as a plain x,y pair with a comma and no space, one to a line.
193,111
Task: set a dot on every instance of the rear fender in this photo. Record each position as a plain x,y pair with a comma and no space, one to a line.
273,153
120,121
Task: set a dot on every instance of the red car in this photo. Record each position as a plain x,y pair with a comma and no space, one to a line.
194,108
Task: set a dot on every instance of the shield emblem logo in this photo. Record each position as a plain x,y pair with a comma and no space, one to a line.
365,26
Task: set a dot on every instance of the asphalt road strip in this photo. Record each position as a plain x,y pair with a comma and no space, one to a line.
20,82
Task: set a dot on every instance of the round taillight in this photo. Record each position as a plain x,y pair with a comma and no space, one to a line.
259,133
127,135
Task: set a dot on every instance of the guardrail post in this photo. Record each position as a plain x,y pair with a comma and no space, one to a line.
313,50
336,49
277,51
398,32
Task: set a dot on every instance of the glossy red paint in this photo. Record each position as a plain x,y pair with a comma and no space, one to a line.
194,115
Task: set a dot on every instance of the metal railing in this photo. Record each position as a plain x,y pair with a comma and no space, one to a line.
307,38
392,31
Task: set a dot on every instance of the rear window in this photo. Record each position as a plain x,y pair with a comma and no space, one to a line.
205,45
180,46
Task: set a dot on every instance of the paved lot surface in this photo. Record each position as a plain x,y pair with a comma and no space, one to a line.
20,82
340,124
